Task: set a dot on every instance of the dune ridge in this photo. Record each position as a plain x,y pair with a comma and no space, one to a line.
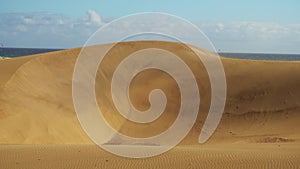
39,127
36,100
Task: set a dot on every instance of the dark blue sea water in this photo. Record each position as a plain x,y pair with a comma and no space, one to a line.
16,52
263,56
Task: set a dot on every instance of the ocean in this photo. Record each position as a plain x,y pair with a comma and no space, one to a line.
16,52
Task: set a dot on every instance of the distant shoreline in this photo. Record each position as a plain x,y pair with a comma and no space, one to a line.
7,52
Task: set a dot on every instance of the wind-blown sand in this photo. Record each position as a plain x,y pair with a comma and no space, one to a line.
39,128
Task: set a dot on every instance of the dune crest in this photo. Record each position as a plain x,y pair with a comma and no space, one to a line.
262,104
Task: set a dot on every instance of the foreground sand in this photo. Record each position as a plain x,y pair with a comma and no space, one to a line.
39,129
90,156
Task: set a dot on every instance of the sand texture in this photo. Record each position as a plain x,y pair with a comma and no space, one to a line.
39,127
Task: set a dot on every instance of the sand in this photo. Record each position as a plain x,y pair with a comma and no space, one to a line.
90,156
259,128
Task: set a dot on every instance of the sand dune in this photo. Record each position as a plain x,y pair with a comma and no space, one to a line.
262,104
90,156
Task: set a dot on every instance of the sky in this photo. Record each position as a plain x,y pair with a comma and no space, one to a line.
232,26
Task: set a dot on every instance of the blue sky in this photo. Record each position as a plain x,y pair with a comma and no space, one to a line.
262,25
282,11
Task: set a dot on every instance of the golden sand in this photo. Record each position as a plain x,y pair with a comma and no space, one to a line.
39,128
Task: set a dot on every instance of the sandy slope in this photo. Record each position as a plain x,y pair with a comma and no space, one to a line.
262,106
90,156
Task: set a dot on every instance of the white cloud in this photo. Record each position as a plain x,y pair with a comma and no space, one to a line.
21,28
94,17
47,29
28,21
58,31
254,36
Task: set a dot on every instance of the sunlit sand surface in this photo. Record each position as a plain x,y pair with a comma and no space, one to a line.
91,156
39,127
